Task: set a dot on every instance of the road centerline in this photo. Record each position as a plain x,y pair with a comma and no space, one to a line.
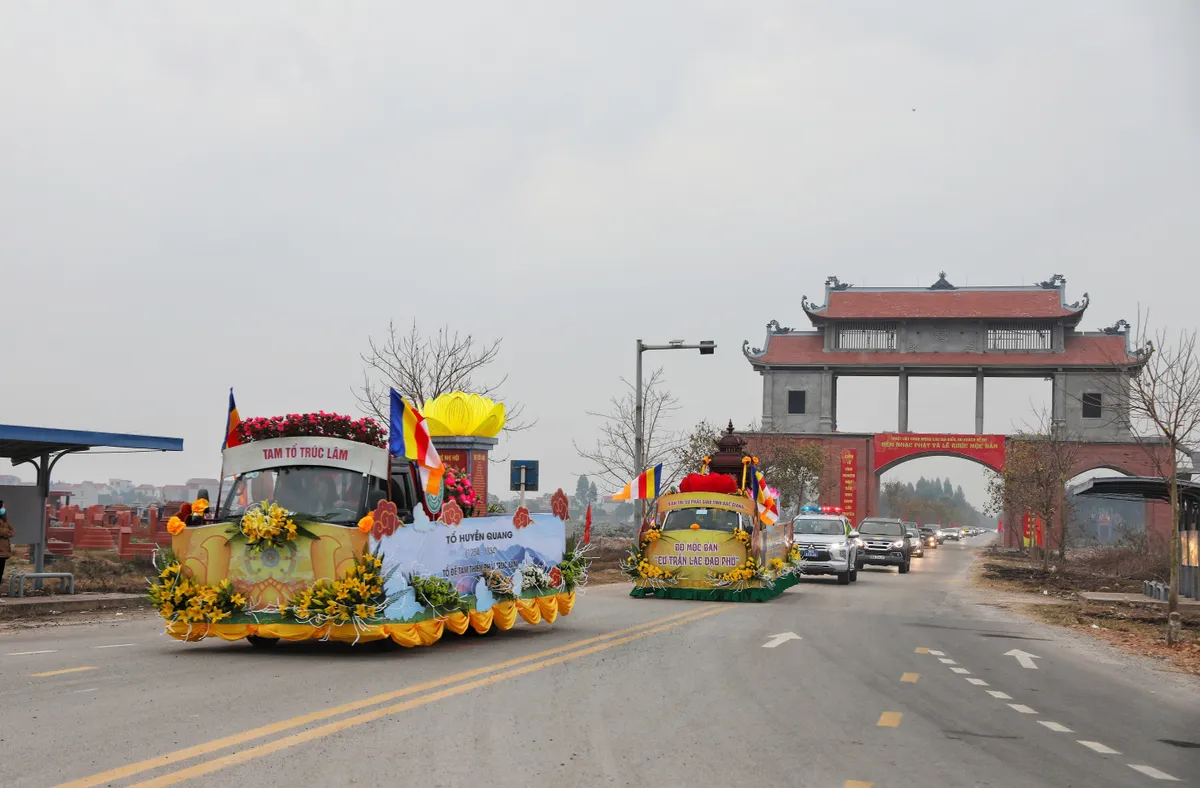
61,672
889,719
276,745
187,753
910,678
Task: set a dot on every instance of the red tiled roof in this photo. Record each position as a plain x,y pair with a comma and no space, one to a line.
1080,351
955,304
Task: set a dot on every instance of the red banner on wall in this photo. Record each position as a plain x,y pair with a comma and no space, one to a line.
891,447
850,484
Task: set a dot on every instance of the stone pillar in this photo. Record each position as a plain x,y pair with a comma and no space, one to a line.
768,398
833,426
979,401
468,455
827,395
1058,407
902,416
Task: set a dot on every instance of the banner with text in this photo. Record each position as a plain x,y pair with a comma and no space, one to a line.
893,446
694,554
458,553
850,485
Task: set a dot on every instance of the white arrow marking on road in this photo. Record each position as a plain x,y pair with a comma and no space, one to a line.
781,638
1024,657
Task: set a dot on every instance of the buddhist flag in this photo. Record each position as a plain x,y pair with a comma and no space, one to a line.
232,420
644,486
766,499
408,437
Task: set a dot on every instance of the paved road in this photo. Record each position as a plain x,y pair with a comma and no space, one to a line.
895,681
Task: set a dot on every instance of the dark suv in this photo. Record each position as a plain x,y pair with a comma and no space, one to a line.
884,543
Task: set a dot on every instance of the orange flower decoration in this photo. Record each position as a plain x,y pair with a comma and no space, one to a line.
367,523
175,526
695,526
521,518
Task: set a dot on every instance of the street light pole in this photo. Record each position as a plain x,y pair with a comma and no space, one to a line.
706,348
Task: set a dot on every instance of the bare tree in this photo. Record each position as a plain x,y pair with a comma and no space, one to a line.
613,458
423,367
701,442
802,471
1163,398
1039,463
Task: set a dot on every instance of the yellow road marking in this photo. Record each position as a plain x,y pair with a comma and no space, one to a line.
911,678
122,772
922,650
889,719
270,747
61,672
857,784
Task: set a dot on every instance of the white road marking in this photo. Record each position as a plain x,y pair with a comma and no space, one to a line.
30,653
960,670
92,689
978,682
1098,747
1021,707
936,653
1000,695
116,645
1024,658
780,639
1056,727
946,661
1150,771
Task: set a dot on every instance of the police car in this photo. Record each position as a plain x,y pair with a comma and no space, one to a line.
827,543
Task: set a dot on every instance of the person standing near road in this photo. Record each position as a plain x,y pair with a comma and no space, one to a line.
6,534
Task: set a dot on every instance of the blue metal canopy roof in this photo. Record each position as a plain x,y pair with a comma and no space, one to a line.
26,443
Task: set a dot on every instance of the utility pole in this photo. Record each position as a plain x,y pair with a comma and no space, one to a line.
706,348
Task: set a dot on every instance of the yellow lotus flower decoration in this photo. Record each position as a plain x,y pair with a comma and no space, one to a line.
462,414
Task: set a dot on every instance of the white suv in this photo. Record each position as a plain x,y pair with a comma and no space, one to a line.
827,543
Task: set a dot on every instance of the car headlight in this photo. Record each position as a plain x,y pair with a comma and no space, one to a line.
898,544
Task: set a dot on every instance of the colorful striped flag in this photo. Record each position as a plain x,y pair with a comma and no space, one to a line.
408,437
766,499
232,420
645,486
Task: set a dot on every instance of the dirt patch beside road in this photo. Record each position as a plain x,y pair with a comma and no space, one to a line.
1052,597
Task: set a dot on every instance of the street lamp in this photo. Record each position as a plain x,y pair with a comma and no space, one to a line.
706,348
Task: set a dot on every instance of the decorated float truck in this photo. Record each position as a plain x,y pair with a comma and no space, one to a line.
313,539
714,540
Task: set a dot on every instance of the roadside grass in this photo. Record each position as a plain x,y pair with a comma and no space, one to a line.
94,571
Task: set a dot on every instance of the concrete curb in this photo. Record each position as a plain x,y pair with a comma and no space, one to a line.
37,607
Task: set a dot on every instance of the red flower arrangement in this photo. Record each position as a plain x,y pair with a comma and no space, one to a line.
460,490
320,424
709,482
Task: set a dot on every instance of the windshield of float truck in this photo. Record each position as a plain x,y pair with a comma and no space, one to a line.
314,493
707,519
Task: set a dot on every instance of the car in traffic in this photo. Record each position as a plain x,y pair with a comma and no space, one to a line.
953,534
828,545
916,545
884,543
931,536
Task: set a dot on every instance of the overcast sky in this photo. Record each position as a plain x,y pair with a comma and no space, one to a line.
205,195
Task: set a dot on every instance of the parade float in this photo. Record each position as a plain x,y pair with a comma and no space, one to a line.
322,534
717,538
